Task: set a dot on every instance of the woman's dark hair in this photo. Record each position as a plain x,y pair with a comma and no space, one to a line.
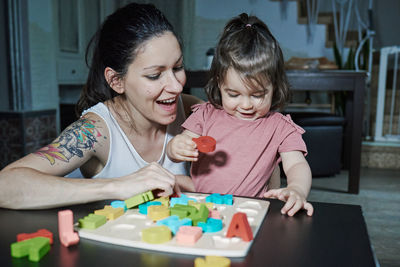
247,46
115,45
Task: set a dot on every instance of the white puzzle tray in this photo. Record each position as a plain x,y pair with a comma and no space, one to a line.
126,230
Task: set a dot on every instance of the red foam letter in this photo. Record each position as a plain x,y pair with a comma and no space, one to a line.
40,232
240,227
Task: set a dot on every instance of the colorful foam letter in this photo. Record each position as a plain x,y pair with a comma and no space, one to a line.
199,216
164,201
40,232
211,226
143,207
156,213
183,199
240,227
205,143
139,199
183,211
220,199
188,235
35,248
156,235
66,228
92,221
212,261
110,212
119,204
209,205
173,223
214,214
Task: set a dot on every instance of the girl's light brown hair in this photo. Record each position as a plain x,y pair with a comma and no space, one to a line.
247,46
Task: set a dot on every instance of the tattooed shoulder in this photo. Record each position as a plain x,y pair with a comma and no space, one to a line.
80,136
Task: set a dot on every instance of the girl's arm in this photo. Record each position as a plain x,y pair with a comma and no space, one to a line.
275,180
299,178
297,171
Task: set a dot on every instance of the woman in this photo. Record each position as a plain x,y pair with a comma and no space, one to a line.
131,107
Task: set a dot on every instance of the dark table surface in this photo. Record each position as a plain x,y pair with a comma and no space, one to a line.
336,235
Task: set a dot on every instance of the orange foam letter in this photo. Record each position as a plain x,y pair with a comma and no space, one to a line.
240,227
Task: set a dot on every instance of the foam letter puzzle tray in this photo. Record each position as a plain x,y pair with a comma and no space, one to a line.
185,230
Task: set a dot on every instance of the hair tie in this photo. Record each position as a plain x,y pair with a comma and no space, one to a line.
248,25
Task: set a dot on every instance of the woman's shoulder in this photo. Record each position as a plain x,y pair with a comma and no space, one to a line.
93,132
91,119
100,108
80,141
99,114
90,126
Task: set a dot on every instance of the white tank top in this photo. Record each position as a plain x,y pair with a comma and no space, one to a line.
123,158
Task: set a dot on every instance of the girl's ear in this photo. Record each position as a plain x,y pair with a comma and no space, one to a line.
115,82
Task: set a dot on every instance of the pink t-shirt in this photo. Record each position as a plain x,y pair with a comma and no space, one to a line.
246,152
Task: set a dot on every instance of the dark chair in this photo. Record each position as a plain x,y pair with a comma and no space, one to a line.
324,140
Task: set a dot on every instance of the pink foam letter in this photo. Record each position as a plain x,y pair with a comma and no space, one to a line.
66,228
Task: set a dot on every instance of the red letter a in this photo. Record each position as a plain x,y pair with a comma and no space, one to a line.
240,227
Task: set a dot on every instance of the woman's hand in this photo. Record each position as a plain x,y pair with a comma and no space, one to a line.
182,148
151,177
294,199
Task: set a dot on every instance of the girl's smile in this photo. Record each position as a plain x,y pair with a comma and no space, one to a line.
241,101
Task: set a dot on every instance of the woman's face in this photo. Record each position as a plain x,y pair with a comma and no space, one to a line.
243,102
155,79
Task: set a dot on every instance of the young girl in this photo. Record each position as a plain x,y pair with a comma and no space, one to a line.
247,85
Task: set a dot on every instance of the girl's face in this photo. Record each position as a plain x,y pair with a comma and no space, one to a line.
155,79
243,102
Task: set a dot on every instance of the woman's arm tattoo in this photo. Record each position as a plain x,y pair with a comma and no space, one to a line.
79,136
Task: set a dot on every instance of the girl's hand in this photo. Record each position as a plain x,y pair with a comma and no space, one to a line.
182,148
293,198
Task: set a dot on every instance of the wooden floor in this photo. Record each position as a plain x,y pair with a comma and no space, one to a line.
379,198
